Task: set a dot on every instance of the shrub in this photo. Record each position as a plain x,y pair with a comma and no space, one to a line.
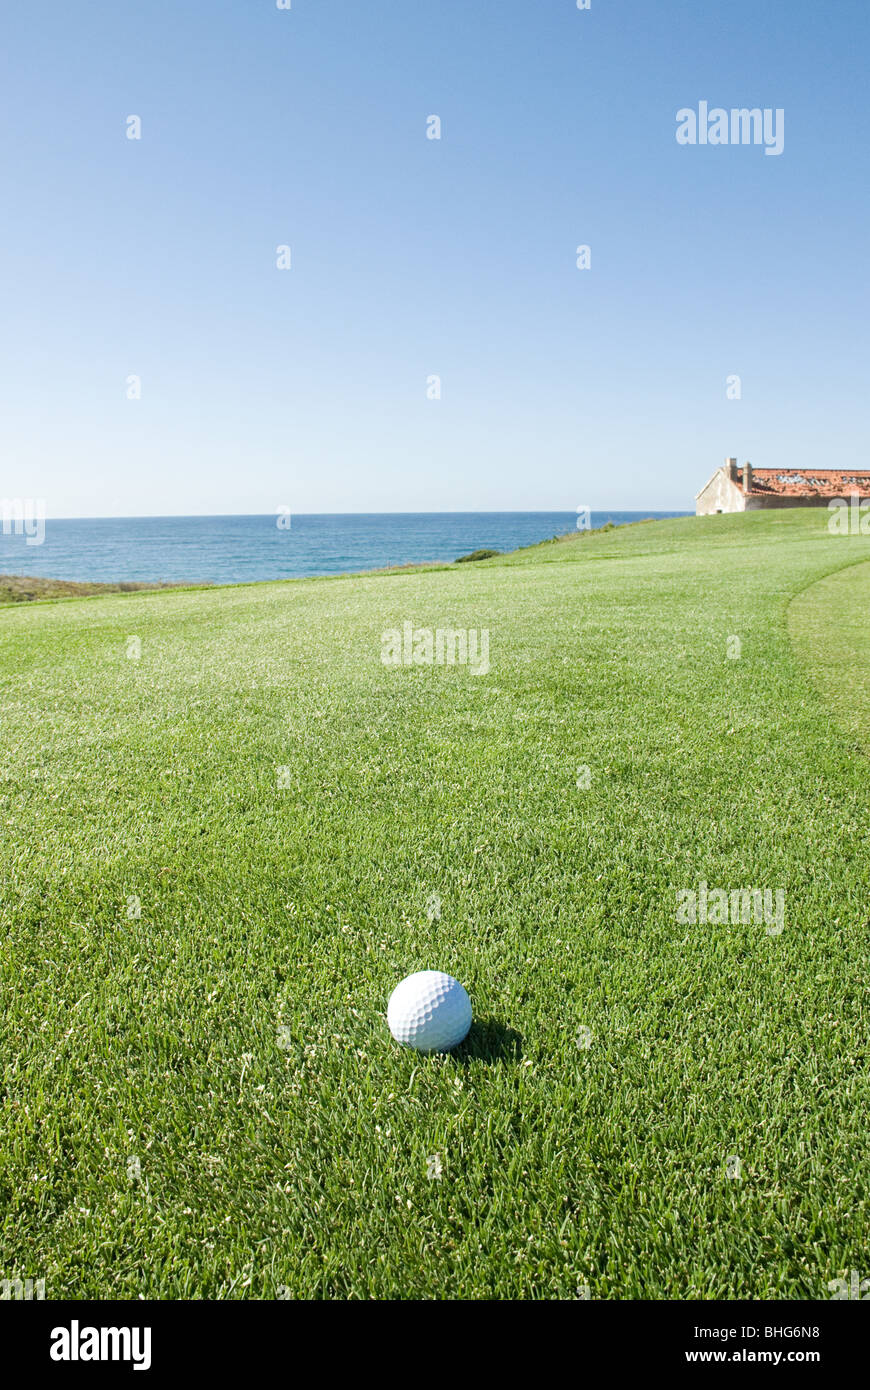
477,555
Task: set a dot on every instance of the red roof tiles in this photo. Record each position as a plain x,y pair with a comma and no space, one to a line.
812,482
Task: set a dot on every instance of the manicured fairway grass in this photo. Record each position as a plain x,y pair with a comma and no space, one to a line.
204,1101
830,626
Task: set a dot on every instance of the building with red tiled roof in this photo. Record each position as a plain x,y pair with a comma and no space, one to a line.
748,489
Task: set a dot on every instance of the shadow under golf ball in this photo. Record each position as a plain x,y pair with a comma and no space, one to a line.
488,1040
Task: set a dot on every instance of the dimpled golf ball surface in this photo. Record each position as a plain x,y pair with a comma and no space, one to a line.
429,1011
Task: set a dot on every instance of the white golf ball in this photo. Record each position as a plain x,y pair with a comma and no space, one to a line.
429,1011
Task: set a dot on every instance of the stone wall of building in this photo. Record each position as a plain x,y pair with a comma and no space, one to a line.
721,494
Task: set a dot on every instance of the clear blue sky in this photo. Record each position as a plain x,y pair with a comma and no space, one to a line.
411,257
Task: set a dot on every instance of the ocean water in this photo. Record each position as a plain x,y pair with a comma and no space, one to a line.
235,549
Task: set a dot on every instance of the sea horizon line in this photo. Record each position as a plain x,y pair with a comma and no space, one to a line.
501,511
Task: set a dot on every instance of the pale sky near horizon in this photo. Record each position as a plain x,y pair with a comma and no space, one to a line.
412,257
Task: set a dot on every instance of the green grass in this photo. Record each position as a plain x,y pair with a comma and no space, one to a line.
299,1160
830,628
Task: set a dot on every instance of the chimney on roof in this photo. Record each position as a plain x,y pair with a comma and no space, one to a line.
747,477
731,466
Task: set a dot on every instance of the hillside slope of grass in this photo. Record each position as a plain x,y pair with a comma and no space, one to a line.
219,858
830,629
27,588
